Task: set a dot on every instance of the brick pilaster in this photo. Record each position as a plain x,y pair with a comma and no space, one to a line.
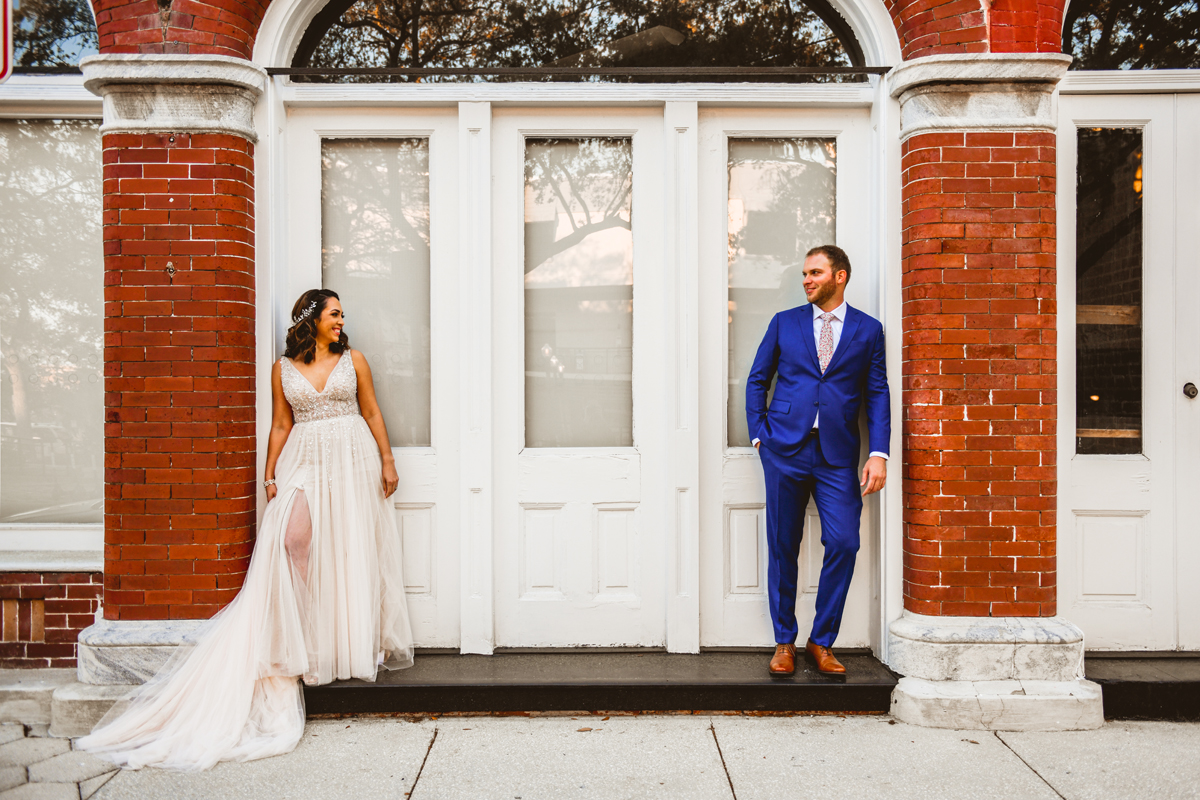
179,372
979,373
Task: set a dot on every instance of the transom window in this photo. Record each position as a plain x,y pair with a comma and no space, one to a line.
355,34
1143,34
52,34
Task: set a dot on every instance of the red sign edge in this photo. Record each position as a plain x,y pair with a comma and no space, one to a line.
7,69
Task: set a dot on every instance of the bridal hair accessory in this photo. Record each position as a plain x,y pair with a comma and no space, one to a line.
304,314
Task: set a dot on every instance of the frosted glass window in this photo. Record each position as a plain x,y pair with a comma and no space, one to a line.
578,292
375,248
51,332
781,204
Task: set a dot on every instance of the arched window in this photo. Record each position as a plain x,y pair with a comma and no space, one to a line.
482,34
52,34
1144,34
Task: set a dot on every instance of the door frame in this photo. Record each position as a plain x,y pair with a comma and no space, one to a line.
1171,233
470,509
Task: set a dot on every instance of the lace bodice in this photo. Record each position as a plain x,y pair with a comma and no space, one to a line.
339,398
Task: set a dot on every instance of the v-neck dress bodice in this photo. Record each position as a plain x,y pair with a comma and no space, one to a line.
339,398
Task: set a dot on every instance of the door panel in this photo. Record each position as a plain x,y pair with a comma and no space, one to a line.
772,185
371,214
1118,356
579,442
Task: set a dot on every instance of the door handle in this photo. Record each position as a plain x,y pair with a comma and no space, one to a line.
1190,391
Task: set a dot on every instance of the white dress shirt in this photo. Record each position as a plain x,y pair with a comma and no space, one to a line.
839,318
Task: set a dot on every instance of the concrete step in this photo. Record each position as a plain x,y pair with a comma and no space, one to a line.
583,680
25,694
1154,686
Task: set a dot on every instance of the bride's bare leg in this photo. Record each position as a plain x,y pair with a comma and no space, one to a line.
297,539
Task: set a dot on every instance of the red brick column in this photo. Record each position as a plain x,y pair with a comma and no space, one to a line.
979,373
179,372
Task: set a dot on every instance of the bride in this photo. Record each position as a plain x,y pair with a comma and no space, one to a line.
323,598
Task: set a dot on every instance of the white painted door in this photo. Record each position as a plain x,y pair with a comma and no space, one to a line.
372,213
772,185
579,416
1129,437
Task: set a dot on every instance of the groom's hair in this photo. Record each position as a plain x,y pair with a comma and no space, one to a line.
838,260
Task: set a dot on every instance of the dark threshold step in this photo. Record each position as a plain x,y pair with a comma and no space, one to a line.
1157,686
607,681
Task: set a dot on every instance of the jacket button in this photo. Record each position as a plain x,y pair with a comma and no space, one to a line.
816,403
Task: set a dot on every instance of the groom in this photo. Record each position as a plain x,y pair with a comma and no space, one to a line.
828,359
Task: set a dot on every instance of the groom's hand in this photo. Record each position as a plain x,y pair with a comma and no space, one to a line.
874,475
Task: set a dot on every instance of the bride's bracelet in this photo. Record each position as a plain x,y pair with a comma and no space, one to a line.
268,483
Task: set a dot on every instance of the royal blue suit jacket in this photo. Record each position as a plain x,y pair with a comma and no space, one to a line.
856,375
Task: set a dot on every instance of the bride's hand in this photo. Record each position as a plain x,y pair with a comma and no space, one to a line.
391,478
272,490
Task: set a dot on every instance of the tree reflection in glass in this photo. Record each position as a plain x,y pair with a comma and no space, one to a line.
375,248
51,332
1145,34
578,292
53,33
782,196
568,33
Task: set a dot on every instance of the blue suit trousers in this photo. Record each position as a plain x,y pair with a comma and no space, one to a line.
790,483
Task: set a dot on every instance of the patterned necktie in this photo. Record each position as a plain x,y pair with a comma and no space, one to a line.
825,343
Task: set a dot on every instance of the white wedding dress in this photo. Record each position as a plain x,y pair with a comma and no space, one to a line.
323,600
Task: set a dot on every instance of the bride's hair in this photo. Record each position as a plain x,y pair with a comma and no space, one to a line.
302,336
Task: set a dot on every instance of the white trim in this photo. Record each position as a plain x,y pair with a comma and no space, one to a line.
52,548
1120,81
307,95
51,538
42,96
979,68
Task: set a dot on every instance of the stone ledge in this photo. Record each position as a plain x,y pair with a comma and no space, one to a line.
129,652
25,694
983,92
999,705
1045,68
176,93
106,70
985,649
77,707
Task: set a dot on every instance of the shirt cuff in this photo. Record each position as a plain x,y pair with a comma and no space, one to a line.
874,453
755,442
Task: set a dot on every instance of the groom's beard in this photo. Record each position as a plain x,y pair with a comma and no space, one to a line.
823,294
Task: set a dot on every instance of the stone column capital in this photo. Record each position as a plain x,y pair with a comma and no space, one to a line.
176,93
978,92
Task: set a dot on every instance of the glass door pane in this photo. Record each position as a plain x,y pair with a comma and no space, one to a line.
782,195
1108,292
375,255
579,292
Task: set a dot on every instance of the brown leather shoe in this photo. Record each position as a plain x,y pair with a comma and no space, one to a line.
783,663
823,658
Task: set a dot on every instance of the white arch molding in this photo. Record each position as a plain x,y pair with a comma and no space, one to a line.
286,21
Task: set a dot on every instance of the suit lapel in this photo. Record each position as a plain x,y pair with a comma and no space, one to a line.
849,328
806,331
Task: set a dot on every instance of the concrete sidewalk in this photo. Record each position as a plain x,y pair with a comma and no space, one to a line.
747,758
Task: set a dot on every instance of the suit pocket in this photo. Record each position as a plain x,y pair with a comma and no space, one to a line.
780,406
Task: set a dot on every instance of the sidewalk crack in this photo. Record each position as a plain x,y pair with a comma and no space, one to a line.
1026,763
713,729
428,750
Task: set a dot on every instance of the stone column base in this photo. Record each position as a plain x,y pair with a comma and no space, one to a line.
992,673
129,652
999,705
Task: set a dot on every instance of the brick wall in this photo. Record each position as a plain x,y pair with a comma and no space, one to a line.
979,373
41,615
938,27
179,373
216,27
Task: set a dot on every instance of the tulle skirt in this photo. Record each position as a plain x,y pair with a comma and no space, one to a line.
320,607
